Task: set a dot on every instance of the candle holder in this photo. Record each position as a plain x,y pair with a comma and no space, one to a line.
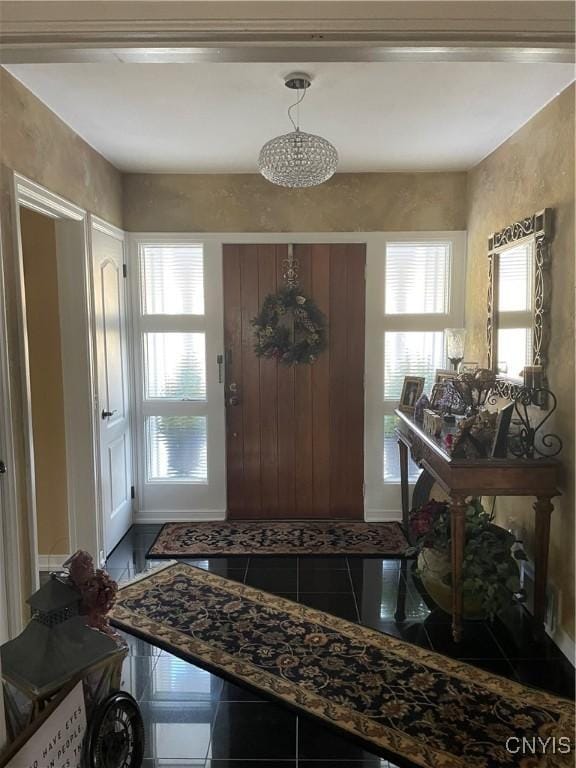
455,339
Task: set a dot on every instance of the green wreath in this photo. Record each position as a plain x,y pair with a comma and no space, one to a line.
298,342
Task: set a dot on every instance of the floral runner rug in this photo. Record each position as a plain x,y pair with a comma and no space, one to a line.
396,698
278,538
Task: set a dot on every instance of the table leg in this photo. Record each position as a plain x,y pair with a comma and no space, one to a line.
400,615
457,531
543,508
404,484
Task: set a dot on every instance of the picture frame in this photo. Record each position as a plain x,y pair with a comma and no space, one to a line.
500,442
444,375
411,390
468,367
436,395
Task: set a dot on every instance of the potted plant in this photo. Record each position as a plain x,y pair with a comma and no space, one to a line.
491,576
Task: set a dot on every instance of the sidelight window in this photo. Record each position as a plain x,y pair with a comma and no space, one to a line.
176,292
419,302
173,355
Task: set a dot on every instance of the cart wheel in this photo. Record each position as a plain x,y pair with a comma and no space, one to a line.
115,734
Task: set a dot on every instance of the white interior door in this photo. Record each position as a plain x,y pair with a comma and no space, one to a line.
113,383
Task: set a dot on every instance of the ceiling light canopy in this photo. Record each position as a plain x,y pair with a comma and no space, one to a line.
298,159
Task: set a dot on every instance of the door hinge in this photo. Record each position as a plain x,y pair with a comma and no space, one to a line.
132,492
124,270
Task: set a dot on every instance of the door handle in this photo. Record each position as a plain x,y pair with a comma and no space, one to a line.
234,400
107,414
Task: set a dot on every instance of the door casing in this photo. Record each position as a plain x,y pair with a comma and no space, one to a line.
381,501
84,523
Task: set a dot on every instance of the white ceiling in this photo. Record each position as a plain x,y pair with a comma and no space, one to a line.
213,118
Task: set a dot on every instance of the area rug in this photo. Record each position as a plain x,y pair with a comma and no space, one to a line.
393,696
278,538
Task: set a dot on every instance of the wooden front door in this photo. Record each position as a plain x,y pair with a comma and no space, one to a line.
295,436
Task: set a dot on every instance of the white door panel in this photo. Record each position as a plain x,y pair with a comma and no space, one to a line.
113,385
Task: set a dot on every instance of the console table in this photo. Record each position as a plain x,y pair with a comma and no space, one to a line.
461,478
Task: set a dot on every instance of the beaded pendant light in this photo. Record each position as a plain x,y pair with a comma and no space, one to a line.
298,159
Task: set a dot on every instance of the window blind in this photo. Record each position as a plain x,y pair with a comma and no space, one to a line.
392,455
514,350
411,353
172,279
417,278
176,448
175,366
515,279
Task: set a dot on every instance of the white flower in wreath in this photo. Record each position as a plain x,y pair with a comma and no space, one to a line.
300,299
269,330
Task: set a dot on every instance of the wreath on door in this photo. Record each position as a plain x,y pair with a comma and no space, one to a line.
289,328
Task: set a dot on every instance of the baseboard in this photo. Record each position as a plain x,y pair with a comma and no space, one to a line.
178,515
564,643
551,626
382,515
51,562
190,515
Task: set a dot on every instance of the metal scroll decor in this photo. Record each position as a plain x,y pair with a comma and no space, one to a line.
530,440
538,227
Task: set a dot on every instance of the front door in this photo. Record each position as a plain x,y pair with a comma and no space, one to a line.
295,435
113,384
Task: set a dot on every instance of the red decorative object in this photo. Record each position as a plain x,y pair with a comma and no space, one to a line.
422,520
97,590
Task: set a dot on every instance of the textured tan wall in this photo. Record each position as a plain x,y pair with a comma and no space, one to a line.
37,144
45,355
349,202
534,169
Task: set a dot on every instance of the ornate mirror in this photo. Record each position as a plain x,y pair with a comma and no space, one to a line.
518,295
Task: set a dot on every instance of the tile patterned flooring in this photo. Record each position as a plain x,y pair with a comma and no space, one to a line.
194,719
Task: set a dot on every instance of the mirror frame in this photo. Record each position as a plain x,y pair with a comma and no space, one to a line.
537,227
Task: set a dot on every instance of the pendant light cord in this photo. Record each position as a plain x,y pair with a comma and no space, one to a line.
297,105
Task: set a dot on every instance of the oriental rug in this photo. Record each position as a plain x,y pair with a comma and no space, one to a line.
396,698
278,538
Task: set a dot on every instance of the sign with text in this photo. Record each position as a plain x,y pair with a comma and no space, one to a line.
58,741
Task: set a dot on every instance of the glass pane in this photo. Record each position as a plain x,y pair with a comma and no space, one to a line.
414,353
172,279
514,350
175,366
515,279
176,449
417,278
392,455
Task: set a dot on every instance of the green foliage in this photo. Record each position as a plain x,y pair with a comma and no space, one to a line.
289,328
490,568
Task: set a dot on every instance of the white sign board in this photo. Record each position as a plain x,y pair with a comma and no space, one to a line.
58,741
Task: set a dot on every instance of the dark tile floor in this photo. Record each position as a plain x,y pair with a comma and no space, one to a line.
195,719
